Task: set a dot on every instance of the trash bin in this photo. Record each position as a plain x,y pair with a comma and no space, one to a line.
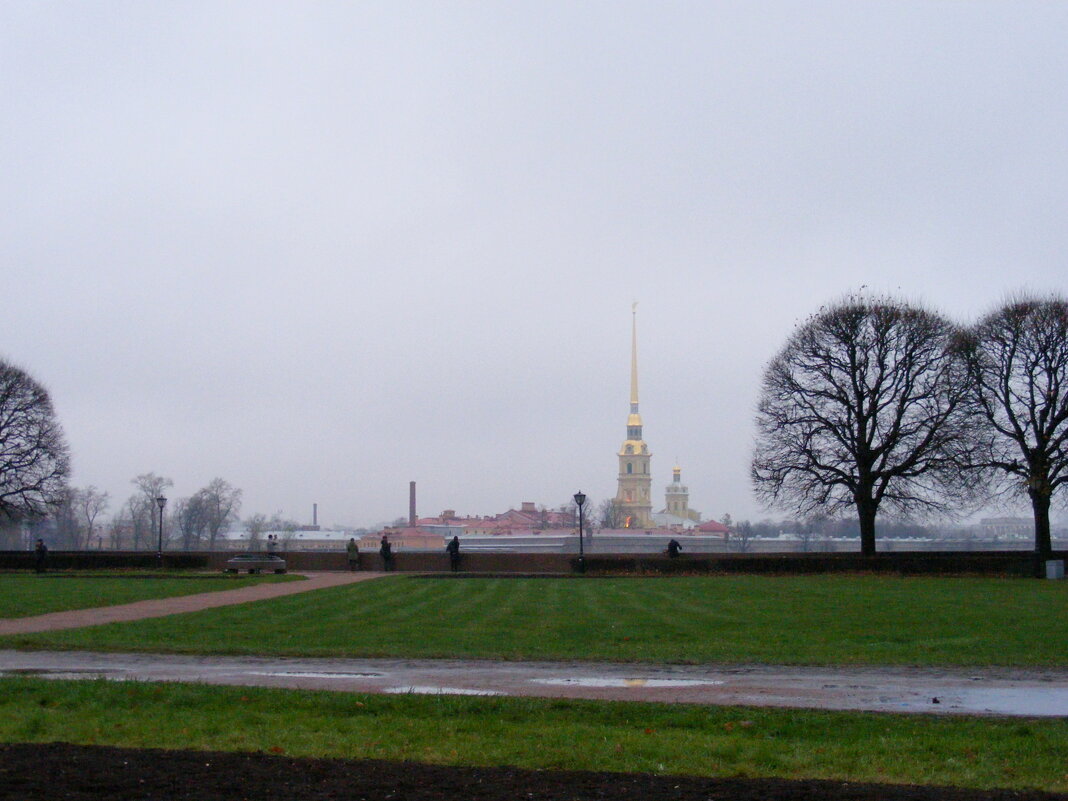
1054,568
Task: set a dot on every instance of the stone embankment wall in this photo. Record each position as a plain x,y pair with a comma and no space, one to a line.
999,563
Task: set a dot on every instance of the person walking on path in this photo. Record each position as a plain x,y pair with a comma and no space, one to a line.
353,552
386,550
453,549
40,552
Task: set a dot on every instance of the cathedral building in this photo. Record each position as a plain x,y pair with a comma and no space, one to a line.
634,495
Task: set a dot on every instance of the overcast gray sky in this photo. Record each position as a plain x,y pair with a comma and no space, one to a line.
322,249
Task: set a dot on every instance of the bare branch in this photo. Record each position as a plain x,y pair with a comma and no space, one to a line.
34,460
864,407
1017,361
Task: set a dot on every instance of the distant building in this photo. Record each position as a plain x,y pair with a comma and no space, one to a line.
677,512
402,539
634,495
304,538
1006,528
712,528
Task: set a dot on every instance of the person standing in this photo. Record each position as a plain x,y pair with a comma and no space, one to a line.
453,549
272,545
673,549
353,552
40,552
386,550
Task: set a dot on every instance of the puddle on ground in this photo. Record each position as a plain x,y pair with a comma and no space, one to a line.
424,690
1040,702
312,674
606,682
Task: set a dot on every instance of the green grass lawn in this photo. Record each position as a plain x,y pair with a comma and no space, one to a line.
791,620
24,595
540,733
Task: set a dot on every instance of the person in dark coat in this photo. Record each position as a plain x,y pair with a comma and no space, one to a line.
353,552
40,551
674,549
386,550
453,549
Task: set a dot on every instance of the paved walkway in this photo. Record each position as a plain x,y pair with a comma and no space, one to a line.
160,607
990,691
872,689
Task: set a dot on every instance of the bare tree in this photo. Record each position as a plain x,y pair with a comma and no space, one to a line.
743,533
135,524
75,516
34,461
1018,363
589,516
221,504
64,525
90,504
610,514
864,407
191,520
142,508
256,526
118,529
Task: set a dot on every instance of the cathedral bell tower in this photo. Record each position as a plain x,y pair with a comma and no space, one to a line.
635,479
677,496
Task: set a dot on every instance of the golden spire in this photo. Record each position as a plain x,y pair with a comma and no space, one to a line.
634,358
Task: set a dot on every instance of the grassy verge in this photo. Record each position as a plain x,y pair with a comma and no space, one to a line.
25,595
788,620
539,733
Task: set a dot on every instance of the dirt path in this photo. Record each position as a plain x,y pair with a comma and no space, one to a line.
160,607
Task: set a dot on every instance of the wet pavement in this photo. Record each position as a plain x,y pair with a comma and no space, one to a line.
1030,693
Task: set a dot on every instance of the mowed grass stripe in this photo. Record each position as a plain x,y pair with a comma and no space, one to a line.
24,596
542,734
790,620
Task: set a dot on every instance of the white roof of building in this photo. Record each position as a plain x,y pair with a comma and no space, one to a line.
236,534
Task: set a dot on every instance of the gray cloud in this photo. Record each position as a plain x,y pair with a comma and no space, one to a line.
323,250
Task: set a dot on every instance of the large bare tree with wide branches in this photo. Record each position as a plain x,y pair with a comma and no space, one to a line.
1018,363
34,461
864,408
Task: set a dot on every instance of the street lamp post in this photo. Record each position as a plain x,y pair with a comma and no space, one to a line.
161,502
580,499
